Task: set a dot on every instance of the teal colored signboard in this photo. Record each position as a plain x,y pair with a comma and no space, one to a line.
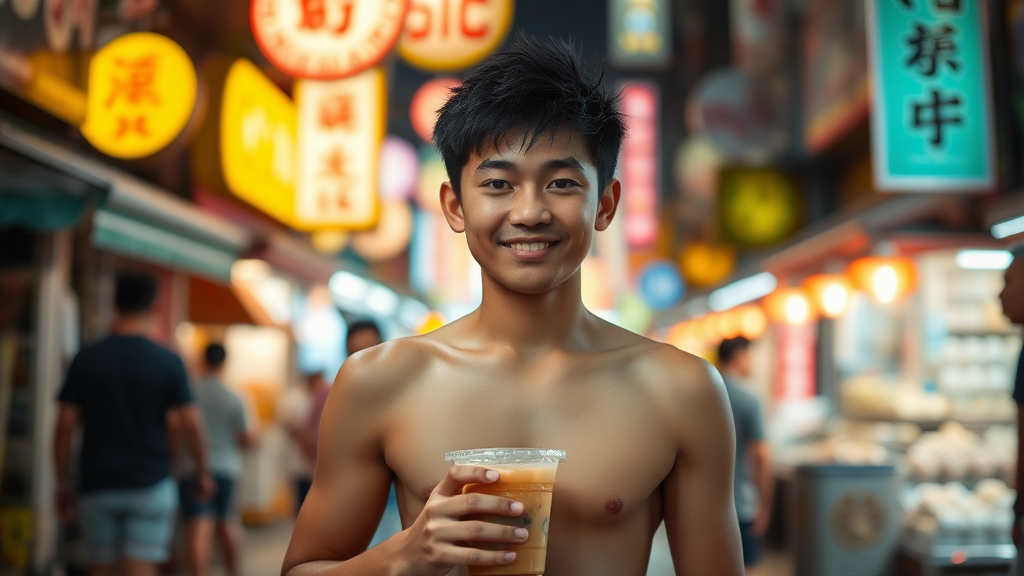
931,116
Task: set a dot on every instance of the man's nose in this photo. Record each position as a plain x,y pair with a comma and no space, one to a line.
530,207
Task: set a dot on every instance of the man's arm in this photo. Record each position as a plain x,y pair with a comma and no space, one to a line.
698,507
352,481
194,432
68,416
761,468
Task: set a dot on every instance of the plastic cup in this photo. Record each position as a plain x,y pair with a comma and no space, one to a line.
525,475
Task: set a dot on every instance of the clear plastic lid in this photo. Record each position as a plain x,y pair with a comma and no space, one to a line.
505,456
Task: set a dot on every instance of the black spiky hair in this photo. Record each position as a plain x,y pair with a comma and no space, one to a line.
534,87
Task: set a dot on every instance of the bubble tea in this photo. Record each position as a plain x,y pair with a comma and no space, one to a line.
525,475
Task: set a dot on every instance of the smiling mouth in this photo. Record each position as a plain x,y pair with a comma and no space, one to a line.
528,247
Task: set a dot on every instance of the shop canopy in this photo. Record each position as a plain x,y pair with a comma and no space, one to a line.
132,217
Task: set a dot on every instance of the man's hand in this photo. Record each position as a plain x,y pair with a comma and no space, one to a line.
435,543
764,517
205,487
67,505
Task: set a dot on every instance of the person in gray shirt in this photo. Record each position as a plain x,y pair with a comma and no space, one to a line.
753,481
229,433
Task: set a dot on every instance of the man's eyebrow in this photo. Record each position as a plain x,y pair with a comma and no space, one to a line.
567,162
490,164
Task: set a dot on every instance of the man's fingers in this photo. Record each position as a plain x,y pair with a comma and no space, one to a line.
472,503
476,531
474,557
459,476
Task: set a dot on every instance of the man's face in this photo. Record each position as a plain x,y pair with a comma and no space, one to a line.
529,214
1012,295
741,363
362,340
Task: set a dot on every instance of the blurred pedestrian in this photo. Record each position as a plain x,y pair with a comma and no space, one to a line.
753,481
123,390
229,432
1012,298
361,335
296,412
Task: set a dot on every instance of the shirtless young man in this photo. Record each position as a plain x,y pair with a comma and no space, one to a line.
530,144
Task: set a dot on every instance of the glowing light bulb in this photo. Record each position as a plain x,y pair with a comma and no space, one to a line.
885,284
834,300
797,309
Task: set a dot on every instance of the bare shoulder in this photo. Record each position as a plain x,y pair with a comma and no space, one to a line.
376,376
682,386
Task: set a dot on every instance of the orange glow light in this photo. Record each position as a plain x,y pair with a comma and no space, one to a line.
426,102
791,307
830,293
885,279
753,321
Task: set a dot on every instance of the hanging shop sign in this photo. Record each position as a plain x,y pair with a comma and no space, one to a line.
326,39
428,99
741,116
796,377
758,34
447,35
638,166
835,58
257,140
705,265
28,26
399,172
659,285
341,129
639,33
142,92
931,94
757,207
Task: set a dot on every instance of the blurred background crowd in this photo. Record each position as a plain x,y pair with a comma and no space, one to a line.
820,196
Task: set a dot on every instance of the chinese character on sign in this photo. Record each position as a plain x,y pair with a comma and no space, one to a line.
335,170
932,114
314,15
931,48
336,112
135,86
944,5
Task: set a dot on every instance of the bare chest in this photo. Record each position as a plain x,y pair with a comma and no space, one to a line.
617,451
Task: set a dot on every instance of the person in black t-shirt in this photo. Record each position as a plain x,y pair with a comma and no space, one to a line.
122,390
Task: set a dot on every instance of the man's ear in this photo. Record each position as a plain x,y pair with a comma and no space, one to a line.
452,208
607,205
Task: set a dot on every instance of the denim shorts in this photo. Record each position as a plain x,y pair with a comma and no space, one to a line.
219,506
129,523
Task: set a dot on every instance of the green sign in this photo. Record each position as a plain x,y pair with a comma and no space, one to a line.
932,107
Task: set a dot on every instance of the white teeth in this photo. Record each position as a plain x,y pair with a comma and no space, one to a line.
532,247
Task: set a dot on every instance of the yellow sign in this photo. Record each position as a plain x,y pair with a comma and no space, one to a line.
257,139
341,130
142,91
446,35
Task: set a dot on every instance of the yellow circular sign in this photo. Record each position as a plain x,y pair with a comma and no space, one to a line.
142,91
447,35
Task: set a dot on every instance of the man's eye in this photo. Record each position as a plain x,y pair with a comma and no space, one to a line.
563,183
496,184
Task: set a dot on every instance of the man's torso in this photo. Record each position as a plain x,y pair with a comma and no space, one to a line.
124,389
223,415
606,410
746,416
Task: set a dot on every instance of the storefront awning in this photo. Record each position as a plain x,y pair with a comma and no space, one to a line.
36,197
139,219
296,257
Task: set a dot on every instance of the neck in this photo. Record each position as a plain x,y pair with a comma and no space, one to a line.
539,322
728,372
132,325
